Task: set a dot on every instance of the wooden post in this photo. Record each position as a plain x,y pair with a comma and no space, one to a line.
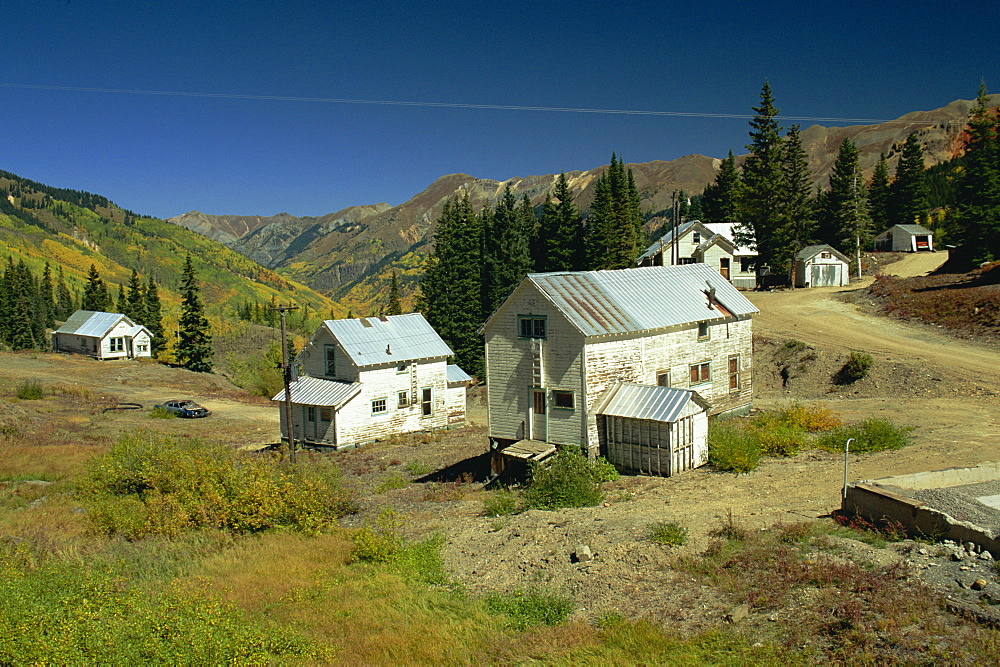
286,372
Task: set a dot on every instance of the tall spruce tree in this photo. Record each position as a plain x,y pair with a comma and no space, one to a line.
908,191
977,218
46,298
133,301
762,224
194,344
560,231
394,303
878,196
614,233
64,299
845,219
720,202
152,316
95,294
797,203
506,250
450,287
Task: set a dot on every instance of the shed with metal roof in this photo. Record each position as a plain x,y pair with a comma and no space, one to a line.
905,238
821,265
102,336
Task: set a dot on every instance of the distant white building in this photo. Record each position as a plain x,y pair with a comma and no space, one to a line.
821,266
710,243
905,238
369,378
102,336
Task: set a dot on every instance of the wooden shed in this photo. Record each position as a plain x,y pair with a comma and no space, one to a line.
653,430
905,238
821,266
102,336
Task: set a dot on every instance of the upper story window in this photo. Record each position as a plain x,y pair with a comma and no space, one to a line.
704,331
701,373
379,406
825,255
331,360
663,379
402,367
695,237
530,326
687,260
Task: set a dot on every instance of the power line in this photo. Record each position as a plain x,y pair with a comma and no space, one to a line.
456,105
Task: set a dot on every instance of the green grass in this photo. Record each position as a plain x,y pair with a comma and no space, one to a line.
30,390
501,502
871,435
523,609
667,533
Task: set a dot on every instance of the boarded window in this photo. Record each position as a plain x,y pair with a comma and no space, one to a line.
701,373
563,399
531,327
325,414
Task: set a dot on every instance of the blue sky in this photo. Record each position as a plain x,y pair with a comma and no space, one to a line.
212,150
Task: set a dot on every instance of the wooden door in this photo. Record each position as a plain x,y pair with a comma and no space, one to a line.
538,415
724,267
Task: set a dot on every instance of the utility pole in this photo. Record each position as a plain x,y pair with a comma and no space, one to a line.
857,222
286,372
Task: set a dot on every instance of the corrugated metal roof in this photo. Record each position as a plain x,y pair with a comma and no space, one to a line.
374,340
641,299
726,230
456,374
811,251
91,323
316,391
665,240
640,401
915,229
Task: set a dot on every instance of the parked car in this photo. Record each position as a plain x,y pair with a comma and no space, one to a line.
184,408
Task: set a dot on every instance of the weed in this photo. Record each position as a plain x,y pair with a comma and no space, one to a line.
439,492
871,435
502,502
667,533
730,448
392,482
569,480
526,608
160,412
418,468
857,367
30,390
731,529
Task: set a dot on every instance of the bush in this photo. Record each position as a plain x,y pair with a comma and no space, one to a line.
857,367
160,412
30,390
391,483
732,449
382,544
155,485
668,533
525,609
501,502
568,480
871,435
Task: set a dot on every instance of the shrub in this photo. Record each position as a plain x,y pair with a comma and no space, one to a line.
668,533
871,435
858,365
568,480
380,543
30,390
390,483
525,609
160,412
810,418
730,448
147,484
501,502
418,468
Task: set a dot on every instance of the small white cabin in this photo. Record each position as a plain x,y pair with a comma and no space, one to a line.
710,243
905,238
821,266
370,378
102,336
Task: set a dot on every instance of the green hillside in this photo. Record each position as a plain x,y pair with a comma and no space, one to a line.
74,229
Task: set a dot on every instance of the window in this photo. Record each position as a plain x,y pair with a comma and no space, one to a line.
331,362
704,333
116,344
746,265
325,414
734,373
426,406
142,347
663,379
701,373
687,260
402,367
530,327
695,237
311,414
402,399
379,406
825,255
562,400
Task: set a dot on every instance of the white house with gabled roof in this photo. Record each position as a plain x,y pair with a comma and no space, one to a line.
102,336
711,243
370,378
562,341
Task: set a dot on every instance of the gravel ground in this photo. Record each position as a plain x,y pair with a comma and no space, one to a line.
960,503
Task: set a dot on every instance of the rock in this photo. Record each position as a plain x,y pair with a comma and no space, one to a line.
958,555
583,554
922,551
738,613
986,555
979,584
970,547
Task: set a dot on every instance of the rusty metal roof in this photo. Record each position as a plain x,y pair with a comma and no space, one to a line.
316,391
382,340
641,299
640,401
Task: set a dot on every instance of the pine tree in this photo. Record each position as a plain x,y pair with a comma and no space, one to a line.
64,300
20,327
394,306
845,220
46,298
614,230
194,345
762,223
977,219
152,317
450,287
908,191
95,294
506,249
720,201
560,231
797,203
878,196
132,307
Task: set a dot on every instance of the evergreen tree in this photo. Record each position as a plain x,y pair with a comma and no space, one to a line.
977,218
506,249
908,191
845,219
133,301
450,286
194,345
560,231
95,294
614,224
762,223
20,326
395,304
152,316
720,201
797,203
878,196
64,300
46,298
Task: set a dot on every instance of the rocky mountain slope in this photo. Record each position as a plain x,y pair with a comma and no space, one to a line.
347,254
